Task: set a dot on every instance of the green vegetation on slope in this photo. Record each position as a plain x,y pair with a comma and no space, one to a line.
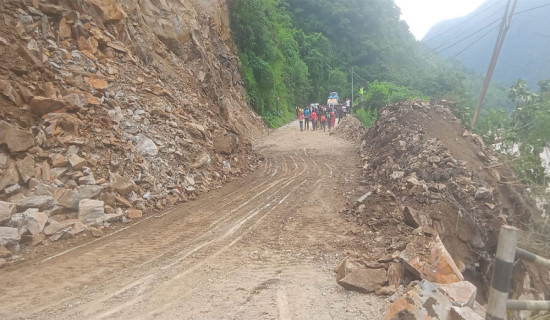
523,133
301,50
274,73
297,51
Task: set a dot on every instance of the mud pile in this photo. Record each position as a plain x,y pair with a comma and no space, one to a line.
429,184
350,128
111,109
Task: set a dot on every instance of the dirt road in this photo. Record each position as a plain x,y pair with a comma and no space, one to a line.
262,247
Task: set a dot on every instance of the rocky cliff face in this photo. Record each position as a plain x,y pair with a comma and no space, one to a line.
112,108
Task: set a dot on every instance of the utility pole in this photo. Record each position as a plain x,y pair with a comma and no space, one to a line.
504,26
351,105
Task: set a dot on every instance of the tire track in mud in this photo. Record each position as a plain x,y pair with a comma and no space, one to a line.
137,272
270,206
272,203
136,250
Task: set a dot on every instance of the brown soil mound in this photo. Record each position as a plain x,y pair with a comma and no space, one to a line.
418,158
350,128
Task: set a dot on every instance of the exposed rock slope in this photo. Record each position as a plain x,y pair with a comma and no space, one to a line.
109,109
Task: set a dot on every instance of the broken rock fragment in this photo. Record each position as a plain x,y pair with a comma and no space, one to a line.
10,176
423,301
76,162
353,276
427,258
39,202
9,235
460,294
25,167
416,218
6,210
91,211
36,222
146,146
16,139
122,184
42,105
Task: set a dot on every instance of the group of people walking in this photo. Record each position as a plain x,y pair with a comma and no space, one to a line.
320,117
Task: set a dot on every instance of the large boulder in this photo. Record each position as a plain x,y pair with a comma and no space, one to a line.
59,227
427,258
423,301
461,294
69,199
353,276
42,105
6,210
9,235
10,175
39,202
36,222
121,184
76,162
91,211
25,167
16,139
146,146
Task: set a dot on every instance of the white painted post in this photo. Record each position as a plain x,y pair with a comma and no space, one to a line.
500,286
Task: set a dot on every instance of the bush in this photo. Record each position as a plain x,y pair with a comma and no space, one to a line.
367,117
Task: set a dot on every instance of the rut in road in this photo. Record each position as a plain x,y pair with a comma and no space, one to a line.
261,247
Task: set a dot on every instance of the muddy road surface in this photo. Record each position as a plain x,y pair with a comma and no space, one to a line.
262,247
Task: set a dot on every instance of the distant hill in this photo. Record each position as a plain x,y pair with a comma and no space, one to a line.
470,39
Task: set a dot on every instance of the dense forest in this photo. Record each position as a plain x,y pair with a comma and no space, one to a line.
295,52
300,50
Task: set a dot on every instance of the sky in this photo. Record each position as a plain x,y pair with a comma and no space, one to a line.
421,15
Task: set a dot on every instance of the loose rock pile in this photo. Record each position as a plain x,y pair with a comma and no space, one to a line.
96,128
434,199
350,128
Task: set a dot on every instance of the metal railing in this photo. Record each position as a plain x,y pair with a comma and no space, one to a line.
507,252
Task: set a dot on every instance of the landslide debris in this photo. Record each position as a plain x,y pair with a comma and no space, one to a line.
434,199
112,109
349,128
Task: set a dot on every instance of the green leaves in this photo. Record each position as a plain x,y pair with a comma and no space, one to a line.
523,133
270,55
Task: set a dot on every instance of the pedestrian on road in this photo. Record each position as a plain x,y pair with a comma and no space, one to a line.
340,113
297,111
329,119
323,121
332,117
301,119
314,119
306,116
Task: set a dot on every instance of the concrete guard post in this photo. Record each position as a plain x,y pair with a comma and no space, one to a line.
502,275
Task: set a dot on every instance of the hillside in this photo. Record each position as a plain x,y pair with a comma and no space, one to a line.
111,110
470,39
297,52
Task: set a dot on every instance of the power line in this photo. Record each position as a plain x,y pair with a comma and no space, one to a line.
468,36
470,18
439,50
476,41
532,9
541,35
472,27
